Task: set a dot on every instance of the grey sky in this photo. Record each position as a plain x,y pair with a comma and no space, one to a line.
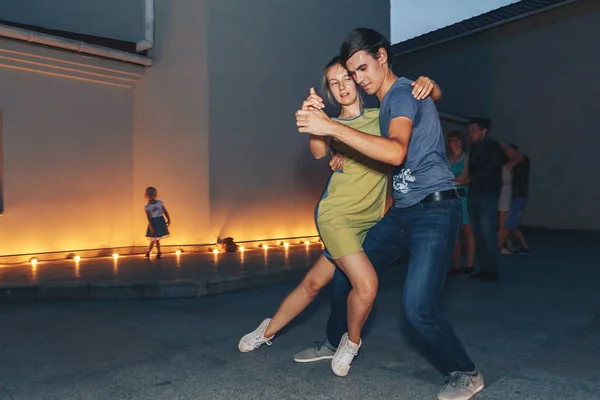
412,18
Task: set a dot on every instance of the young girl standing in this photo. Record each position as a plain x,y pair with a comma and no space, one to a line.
157,225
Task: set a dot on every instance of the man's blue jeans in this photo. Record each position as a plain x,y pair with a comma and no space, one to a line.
427,234
483,212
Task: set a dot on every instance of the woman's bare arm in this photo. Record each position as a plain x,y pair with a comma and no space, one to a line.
319,146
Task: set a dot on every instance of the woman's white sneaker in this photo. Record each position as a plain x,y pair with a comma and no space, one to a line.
344,355
256,338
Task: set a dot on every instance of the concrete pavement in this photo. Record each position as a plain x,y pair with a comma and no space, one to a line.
534,334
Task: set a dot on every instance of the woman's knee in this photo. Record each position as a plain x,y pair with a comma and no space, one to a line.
366,290
312,286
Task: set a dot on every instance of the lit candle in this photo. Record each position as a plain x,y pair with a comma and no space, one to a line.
241,248
33,262
178,252
286,245
265,246
216,251
115,264
76,258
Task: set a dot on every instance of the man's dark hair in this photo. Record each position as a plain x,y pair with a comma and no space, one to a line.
483,123
368,40
514,146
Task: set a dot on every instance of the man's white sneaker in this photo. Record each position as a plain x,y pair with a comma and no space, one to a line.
344,355
256,338
461,386
319,351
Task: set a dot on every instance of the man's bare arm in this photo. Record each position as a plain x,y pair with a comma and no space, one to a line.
390,150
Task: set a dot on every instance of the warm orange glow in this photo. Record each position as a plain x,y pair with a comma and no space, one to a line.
241,248
178,252
77,259
265,246
216,251
34,261
306,242
115,255
286,245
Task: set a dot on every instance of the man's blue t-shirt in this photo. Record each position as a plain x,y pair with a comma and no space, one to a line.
425,169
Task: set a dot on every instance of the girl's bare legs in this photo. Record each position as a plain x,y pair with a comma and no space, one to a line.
319,275
158,246
469,245
150,246
361,274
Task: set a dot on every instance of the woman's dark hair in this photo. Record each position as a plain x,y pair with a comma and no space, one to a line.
458,135
368,40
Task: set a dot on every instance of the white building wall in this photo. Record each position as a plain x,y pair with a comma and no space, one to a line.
66,151
210,125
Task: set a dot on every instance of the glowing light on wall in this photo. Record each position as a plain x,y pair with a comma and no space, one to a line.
241,248
286,252
115,256
33,261
215,251
77,259
178,252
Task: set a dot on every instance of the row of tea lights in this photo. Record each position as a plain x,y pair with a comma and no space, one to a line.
115,256
286,245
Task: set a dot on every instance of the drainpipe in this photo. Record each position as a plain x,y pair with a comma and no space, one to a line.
73,45
148,41
454,118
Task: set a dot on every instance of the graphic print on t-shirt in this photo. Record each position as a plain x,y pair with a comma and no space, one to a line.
402,179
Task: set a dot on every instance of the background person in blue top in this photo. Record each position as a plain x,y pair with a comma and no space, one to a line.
459,166
426,216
